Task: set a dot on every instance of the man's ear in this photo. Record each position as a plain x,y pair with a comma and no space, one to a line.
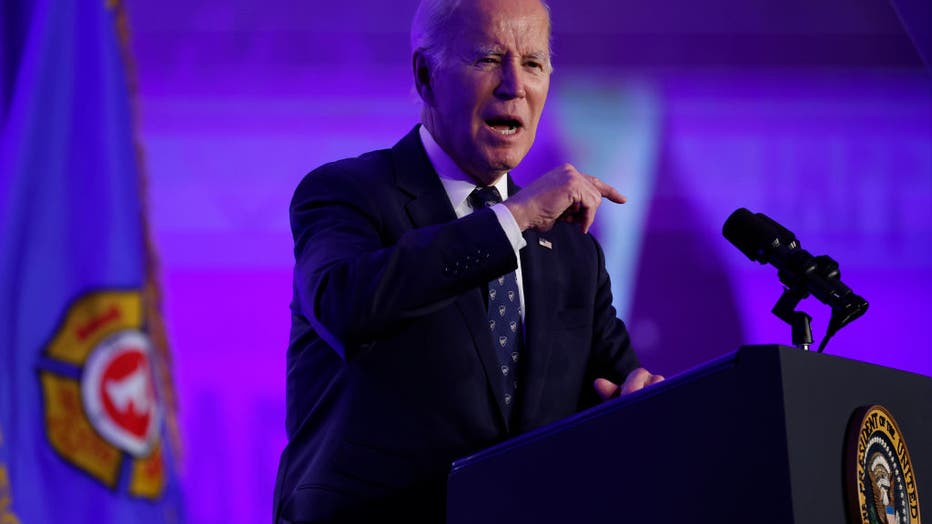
422,77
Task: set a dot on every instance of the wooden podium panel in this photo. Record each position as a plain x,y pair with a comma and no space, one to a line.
757,436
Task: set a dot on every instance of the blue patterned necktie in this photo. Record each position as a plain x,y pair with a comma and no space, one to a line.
504,310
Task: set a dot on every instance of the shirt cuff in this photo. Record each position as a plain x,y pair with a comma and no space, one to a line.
510,226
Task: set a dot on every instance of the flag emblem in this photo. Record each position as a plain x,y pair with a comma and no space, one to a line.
118,394
101,404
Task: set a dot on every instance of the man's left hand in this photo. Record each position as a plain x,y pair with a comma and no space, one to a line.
637,379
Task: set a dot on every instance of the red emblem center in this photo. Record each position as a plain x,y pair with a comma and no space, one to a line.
126,391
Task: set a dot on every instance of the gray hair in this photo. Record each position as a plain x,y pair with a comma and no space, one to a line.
427,29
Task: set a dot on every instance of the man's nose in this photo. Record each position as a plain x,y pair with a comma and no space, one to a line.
512,83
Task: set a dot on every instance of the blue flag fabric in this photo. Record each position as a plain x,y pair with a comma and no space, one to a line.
86,401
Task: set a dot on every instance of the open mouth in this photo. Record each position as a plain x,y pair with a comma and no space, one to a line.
503,125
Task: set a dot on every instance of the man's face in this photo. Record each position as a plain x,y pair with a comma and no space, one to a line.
483,105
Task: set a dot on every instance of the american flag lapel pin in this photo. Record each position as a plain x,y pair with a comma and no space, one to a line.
544,242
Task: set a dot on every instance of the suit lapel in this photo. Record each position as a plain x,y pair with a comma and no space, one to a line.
428,205
539,317
537,264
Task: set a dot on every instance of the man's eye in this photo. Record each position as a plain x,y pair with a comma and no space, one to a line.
534,65
488,60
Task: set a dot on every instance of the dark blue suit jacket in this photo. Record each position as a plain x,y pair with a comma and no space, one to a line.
391,368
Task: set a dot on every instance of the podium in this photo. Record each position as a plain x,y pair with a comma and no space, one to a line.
758,435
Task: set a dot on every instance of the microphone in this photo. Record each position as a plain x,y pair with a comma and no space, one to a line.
764,240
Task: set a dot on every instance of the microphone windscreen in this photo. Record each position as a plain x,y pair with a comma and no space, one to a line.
741,230
755,234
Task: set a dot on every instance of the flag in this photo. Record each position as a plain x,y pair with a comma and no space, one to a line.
87,407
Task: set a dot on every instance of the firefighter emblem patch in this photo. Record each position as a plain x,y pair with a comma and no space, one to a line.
102,410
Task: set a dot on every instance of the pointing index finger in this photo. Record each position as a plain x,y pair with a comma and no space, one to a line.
607,191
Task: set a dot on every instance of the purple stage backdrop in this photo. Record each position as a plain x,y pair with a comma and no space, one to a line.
815,112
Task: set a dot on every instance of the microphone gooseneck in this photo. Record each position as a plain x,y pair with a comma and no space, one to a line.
764,240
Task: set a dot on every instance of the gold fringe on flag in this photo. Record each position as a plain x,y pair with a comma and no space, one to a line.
151,293
6,493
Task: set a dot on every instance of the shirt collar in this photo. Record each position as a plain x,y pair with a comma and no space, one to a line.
457,183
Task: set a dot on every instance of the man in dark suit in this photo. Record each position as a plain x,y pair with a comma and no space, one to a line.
433,315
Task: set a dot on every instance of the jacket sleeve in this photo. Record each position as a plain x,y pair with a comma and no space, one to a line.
357,278
612,356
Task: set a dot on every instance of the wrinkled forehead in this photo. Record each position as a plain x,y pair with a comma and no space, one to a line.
519,25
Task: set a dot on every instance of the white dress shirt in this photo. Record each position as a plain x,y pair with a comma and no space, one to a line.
458,186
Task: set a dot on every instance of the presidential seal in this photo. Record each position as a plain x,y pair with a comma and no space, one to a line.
881,485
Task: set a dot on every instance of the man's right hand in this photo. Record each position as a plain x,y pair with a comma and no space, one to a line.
563,193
